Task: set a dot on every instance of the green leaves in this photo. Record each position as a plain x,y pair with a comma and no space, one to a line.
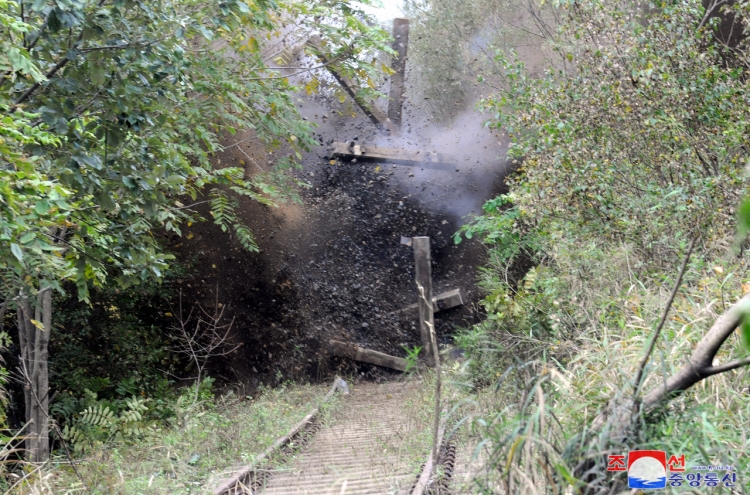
743,214
137,97
745,331
16,250
640,141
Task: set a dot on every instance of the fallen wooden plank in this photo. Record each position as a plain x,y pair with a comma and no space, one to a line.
375,153
351,351
373,113
400,44
447,300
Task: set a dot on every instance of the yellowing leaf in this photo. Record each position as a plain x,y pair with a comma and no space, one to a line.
252,45
718,270
242,162
37,324
190,235
377,169
387,69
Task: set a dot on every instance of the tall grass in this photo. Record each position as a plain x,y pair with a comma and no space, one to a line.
208,441
567,340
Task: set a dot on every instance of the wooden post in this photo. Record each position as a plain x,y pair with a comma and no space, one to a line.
423,277
400,44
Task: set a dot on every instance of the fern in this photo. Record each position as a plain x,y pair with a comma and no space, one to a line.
246,238
222,209
98,423
98,416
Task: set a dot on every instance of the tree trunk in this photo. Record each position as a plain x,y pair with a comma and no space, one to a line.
34,332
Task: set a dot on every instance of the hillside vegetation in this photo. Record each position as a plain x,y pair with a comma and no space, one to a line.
630,152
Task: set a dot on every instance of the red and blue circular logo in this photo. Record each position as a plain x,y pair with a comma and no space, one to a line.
647,469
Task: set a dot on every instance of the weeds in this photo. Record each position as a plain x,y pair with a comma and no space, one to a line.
208,440
540,390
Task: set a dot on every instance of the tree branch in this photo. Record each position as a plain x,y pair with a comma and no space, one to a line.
721,368
699,365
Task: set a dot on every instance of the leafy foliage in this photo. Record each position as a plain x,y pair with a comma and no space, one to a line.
116,346
637,138
123,103
98,423
628,146
111,112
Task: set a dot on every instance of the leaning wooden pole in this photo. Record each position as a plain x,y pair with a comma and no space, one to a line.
372,112
400,45
423,277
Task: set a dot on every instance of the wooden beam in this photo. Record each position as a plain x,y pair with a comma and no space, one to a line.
361,152
423,278
351,351
441,302
373,113
400,44
447,300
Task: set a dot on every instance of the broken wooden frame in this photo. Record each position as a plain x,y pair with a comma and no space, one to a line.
441,302
360,152
423,279
351,351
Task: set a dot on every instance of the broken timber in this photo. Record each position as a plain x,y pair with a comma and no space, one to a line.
423,279
371,153
373,113
400,44
441,302
357,353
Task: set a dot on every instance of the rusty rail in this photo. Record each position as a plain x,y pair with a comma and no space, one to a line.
239,483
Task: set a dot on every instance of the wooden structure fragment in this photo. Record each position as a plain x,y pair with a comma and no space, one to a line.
423,279
400,44
352,150
351,351
444,300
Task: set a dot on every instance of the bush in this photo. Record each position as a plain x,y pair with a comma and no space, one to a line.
630,147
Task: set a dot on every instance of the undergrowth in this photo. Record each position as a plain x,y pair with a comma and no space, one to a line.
565,338
207,442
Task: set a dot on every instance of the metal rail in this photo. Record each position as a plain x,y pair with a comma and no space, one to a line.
240,483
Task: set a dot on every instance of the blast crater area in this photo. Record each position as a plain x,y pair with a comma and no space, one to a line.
332,266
